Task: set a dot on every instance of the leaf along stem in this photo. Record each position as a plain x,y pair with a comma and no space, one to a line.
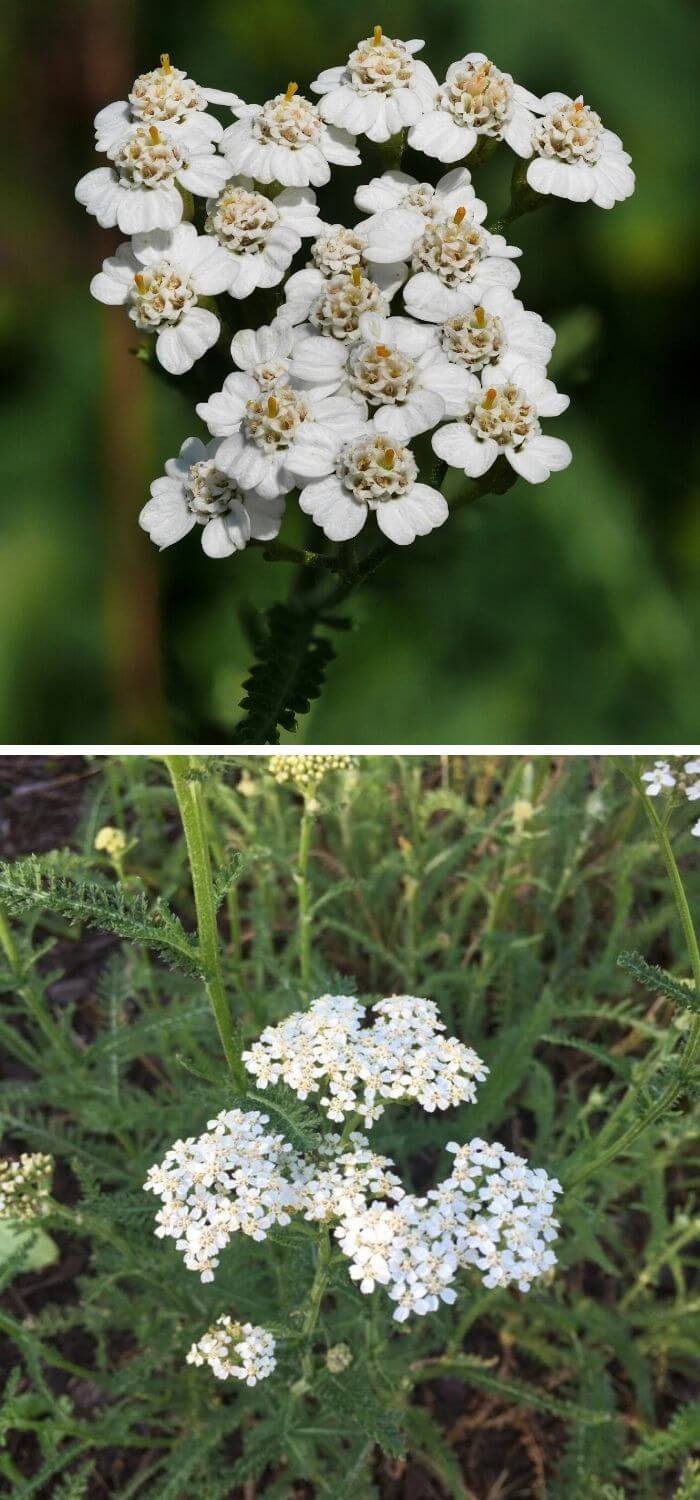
188,792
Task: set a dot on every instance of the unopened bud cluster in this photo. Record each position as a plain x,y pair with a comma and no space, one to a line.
308,770
25,1184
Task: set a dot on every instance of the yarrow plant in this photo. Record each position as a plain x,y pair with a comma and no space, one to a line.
397,351
683,780
492,1213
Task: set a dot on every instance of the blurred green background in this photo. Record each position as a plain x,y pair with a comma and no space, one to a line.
562,613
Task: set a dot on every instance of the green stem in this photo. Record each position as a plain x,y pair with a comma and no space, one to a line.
670,1094
316,1295
188,792
302,881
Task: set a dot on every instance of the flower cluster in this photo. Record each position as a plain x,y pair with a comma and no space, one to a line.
685,778
355,1068
236,1178
328,396
25,1184
237,1351
306,771
493,1212
111,841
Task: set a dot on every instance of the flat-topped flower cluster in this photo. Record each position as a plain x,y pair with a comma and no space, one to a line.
493,1213
328,395
25,1186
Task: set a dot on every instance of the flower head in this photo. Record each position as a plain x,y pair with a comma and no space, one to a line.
164,96
503,419
160,277
381,89
307,771
576,157
237,1351
475,99
140,191
196,490
25,1184
370,473
333,305
260,235
111,841
286,140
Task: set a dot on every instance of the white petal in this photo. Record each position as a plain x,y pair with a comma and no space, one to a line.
438,135
319,360
314,452
244,274
539,458
139,209
224,410
426,297
259,346
205,174
333,508
455,385
338,146
265,516
392,235
100,193
166,517
298,208
414,515
224,535
383,192
178,347
211,266
423,410
301,292
461,450
518,130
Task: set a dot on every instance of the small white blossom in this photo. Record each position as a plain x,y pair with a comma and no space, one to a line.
259,234
262,424
159,277
371,473
454,262
497,333
238,1351
576,157
659,779
380,90
164,96
398,231
286,140
396,366
140,191
475,99
503,420
333,305
195,490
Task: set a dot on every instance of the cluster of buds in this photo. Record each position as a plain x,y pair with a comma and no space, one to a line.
25,1184
307,771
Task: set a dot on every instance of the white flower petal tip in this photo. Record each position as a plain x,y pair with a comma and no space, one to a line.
159,278
476,101
576,157
150,163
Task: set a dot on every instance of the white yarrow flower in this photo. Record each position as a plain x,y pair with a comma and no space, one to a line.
160,277
261,420
140,191
576,157
475,99
195,490
455,261
401,209
380,90
333,305
260,235
660,779
372,473
504,420
238,1351
396,366
287,141
164,96
497,333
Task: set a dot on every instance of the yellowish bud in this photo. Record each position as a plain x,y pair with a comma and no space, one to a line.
154,134
291,90
141,282
165,62
382,350
272,406
388,460
490,397
480,316
356,276
377,42
460,213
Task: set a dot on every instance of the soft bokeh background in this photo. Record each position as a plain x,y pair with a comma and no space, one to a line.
563,613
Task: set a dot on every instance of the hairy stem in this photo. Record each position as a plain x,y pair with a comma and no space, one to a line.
188,792
302,881
316,1295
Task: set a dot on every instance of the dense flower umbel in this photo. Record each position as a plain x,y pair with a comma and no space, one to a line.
327,396
356,1068
25,1184
493,1212
308,770
237,1351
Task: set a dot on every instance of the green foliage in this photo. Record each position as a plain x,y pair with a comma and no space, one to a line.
288,672
421,882
659,982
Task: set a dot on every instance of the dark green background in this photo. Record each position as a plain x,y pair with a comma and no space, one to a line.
562,613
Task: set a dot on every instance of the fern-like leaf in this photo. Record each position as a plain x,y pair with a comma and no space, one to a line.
288,673
658,981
